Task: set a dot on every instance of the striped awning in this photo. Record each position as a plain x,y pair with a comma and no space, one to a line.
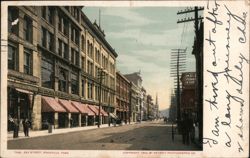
93,109
79,107
51,105
83,108
68,106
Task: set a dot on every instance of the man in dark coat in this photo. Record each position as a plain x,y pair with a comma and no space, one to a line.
26,126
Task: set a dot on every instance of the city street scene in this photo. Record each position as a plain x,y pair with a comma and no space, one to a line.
105,78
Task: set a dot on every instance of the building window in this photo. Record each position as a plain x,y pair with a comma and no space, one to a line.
60,47
65,27
83,43
90,68
60,22
90,90
97,90
83,88
90,50
83,63
27,67
13,21
12,57
74,84
47,71
50,41
63,80
27,29
44,37
50,15
74,35
66,52
44,12
72,56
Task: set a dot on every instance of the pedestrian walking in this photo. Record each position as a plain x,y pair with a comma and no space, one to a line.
14,125
26,126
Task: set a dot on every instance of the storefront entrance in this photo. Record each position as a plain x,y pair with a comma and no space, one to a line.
19,106
63,120
47,118
75,120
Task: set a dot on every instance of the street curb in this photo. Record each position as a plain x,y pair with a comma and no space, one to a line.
50,134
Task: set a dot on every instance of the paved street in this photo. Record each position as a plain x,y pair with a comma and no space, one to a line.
145,136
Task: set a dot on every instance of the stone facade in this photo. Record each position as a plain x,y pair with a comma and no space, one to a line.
56,52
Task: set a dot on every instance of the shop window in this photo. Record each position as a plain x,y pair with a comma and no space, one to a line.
12,57
27,67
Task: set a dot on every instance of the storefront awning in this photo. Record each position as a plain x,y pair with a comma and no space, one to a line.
79,107
68,106
51,105
90,112
93,109
102,112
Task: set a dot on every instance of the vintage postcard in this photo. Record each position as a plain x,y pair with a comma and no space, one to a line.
124,79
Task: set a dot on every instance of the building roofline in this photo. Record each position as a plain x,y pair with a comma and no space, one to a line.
120,74
98,34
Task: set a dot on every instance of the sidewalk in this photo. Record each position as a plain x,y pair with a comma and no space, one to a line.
39,133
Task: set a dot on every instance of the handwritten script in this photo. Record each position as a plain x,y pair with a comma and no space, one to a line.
226,73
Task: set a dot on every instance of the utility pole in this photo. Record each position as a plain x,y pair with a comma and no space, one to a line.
101,75
198,52
178,63
109,109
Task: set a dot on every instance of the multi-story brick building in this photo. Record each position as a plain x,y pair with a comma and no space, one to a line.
122,97
54,56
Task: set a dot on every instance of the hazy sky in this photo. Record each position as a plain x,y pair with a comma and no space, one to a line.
143,38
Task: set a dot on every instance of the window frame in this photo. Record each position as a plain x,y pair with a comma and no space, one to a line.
27,67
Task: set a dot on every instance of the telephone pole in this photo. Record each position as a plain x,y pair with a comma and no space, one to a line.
101,75
178,65
198,53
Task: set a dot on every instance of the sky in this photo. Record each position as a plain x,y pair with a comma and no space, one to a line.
143,38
